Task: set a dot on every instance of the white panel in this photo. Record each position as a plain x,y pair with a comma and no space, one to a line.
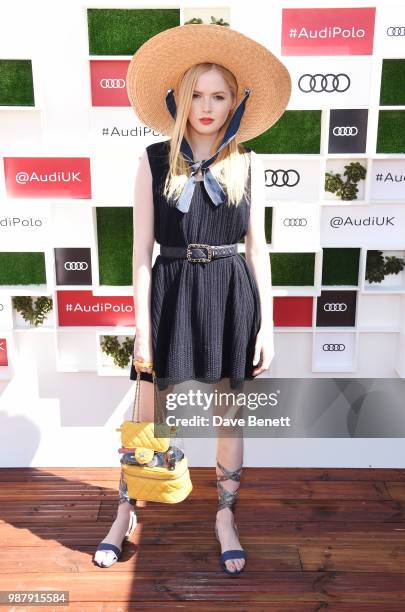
19,128
296,227
379,312
293,355
113,178
334,352
371,226
72,225
6,315
390,30
376,355
388,179
120,128
69,359
24,227
291,178
351,87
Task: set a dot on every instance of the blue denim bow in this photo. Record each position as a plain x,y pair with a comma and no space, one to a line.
214,189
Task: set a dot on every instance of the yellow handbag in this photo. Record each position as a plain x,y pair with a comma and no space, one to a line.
141,435
168,483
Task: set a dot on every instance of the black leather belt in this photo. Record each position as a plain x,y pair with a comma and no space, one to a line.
200,252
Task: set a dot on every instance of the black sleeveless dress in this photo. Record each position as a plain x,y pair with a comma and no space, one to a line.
205,316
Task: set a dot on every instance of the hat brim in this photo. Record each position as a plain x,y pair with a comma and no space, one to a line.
159,65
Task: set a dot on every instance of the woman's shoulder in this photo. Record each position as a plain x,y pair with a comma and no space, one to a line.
158,148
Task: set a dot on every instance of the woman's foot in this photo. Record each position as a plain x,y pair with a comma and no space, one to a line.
228,538
115,536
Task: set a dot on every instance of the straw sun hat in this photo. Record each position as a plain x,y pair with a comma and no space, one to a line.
160,63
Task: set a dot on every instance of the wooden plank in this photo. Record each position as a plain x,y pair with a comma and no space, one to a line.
316,539
173,585
253,606
202,557
265,490
272,474
274,532
353,557
396,490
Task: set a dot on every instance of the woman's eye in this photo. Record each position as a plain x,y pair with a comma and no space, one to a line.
217,97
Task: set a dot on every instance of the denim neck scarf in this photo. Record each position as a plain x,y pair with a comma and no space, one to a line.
212,186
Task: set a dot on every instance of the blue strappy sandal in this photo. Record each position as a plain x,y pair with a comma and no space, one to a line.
227,499
112,547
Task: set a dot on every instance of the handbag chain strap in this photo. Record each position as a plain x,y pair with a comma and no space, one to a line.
137,399
137,396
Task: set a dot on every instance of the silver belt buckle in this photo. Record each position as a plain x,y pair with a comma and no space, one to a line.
195,245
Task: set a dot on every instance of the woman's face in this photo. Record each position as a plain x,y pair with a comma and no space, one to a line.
212,99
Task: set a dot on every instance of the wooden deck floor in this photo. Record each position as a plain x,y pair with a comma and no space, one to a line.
316,539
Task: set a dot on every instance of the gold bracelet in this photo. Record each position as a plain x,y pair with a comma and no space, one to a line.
145,364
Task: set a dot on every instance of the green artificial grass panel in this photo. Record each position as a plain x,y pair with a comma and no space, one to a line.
340,266
391,132
115,243
292,268
123,31
295,132
16,84
392,90
22,269
268,223
295,269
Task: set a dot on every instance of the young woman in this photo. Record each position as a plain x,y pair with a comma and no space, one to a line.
203,311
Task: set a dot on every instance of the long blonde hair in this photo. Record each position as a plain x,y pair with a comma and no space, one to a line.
231,167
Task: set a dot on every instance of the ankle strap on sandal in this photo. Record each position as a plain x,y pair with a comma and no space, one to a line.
233,475
227,499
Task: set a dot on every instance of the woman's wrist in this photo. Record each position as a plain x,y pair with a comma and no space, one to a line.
267,325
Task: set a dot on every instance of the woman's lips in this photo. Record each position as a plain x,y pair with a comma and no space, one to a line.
206,121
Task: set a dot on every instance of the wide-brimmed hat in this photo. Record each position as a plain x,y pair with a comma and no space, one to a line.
160,63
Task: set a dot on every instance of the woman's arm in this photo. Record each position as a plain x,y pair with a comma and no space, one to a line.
258,260
257,255
143,218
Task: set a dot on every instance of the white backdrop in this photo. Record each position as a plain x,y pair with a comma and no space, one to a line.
50,417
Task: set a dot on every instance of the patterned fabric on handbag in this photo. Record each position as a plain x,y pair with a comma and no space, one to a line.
158,484
142,435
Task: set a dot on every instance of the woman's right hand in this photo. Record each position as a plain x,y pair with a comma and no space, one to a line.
143,351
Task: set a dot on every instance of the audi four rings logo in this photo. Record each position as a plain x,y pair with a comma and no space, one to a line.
282,178
345,130
112,83
295,222
336,307
76,265
396,31
333,347
324,82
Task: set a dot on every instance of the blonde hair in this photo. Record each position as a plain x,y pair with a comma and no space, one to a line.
231,166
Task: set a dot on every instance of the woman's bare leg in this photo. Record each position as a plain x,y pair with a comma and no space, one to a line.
120,525
230,455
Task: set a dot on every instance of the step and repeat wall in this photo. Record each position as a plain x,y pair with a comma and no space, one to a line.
333,187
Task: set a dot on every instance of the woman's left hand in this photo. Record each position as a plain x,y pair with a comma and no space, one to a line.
264,350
